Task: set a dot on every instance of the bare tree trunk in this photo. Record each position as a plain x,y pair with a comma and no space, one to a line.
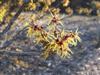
12,21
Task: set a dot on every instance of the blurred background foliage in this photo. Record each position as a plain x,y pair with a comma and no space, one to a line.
81,7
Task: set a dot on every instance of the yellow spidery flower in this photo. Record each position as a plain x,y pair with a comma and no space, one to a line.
31,6
20,2
60,45
55,10
45,8
69,11
37,32
3,11
65,2
30,31
48,2
54,22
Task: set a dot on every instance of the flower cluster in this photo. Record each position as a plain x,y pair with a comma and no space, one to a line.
37,32
54,38
60,45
